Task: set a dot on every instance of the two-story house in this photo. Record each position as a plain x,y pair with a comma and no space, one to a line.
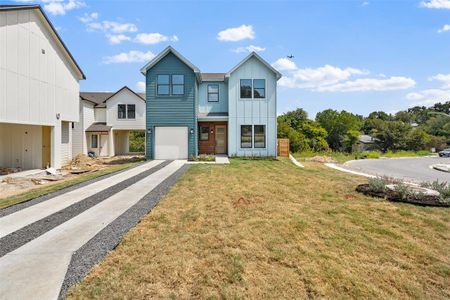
191,113
106,120
39,90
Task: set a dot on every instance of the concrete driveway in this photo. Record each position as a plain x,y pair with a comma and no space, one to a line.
38,243
415,169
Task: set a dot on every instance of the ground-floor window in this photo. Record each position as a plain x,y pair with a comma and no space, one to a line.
203,133
94,141
259,133
246,136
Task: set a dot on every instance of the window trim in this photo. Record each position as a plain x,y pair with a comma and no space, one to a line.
128,118
172,85
253,88
163,84
96,140
251,136
208,93
200,133
118,112
254,137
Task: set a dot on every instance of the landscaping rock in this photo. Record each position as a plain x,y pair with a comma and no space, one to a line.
418,195
442,167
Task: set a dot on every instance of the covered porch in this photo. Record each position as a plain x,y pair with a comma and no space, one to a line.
213,135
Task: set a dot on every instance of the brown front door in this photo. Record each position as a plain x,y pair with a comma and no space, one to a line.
221,139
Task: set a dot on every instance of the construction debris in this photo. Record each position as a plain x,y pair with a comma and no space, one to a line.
7,171
321,159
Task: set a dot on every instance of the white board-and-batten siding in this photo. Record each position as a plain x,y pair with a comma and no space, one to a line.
36,80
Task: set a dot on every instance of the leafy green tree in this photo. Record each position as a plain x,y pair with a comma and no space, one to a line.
439,126
297,141
295,118
340,127
392,135
417,139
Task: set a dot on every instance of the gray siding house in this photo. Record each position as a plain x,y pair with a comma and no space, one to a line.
190,113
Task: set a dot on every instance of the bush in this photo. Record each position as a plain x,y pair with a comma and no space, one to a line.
204,157
403,190
137,141
377,184
442,187
373,154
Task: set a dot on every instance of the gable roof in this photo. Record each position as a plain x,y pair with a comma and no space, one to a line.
100,98
52,30
163,54
253,54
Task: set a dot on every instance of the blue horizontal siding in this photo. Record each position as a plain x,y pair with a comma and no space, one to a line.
171,110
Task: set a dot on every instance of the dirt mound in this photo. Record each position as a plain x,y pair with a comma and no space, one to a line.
83,162
321,159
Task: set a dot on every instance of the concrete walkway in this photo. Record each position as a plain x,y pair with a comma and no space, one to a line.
37,269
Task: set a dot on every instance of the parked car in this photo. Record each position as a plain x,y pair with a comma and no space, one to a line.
444,153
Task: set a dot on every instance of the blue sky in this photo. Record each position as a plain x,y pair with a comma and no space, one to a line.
359,56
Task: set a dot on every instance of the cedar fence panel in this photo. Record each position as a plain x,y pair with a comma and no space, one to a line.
283,147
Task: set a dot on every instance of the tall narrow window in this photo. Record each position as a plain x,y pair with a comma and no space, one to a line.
203,133
246,88
121,111
246,136
213,92
259,132
94,141
177,84
131,111
163,85
259,88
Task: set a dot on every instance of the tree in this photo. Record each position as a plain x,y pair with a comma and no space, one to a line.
392,135
297,141
295,118
340,126
417,139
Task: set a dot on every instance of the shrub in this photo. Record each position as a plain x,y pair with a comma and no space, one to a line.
377,184
442,187
403,190
204,157
373,154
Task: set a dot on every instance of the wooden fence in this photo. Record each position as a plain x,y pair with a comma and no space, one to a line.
283,147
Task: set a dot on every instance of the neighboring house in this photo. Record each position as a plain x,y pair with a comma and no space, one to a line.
365,143
106,121
191,113
39,90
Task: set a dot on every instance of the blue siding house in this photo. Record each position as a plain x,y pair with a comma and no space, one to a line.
190,113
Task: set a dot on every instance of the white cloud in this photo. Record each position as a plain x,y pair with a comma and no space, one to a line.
444,28
250,48
428,97
111,26
365,3
334,79
284,64
439,4
153,38
60,7
236,34
443,78
313,79
115,39
129,57
140,86
370,84
88,18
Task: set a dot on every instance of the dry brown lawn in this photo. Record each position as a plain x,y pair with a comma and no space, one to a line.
267,229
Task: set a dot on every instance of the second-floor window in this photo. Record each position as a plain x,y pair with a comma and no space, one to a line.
253,88
213,92
121,111
126,111
167,85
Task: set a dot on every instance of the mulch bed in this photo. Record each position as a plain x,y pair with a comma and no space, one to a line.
424,200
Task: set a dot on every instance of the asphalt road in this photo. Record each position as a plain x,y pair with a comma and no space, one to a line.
410,169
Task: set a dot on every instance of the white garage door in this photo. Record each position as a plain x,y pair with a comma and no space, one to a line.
171,142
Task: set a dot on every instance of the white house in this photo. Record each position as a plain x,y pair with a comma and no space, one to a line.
106,121
39,90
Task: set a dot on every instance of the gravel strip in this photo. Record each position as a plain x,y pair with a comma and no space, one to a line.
28,233
12,209
106,240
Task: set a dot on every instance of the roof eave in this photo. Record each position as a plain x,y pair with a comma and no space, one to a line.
254,54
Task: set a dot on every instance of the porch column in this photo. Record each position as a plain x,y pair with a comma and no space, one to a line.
111,142
56,145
